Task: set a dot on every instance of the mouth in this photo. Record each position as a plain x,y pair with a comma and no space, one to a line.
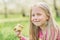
36,21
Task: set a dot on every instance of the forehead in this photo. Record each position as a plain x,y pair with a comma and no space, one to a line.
37,9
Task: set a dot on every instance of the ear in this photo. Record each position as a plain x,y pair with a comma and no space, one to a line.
47,18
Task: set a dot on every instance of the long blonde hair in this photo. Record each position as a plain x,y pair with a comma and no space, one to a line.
51,23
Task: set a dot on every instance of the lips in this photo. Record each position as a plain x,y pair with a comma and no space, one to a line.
36,22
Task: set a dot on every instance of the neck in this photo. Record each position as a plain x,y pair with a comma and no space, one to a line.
43,28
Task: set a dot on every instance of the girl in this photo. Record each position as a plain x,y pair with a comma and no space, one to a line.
42,24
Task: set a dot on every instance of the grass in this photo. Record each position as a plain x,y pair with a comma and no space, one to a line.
58,20
2,16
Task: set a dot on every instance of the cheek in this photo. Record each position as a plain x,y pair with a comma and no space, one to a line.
32,19
42,18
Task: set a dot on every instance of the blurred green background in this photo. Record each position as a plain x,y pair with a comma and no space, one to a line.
13,12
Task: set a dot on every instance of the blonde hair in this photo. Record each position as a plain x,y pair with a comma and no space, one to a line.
51,22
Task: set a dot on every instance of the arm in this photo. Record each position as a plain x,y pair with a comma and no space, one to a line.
23,38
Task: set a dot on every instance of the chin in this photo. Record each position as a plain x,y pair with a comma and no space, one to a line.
37,25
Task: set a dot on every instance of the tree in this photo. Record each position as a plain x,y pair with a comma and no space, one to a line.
56,9
23,12
5,8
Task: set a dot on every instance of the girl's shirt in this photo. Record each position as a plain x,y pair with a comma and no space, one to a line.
40,35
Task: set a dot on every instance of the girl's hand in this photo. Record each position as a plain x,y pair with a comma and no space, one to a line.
18,30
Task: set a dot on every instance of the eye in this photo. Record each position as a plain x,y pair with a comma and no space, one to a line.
38,14
33,14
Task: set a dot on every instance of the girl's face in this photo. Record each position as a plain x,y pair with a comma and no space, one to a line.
39,16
